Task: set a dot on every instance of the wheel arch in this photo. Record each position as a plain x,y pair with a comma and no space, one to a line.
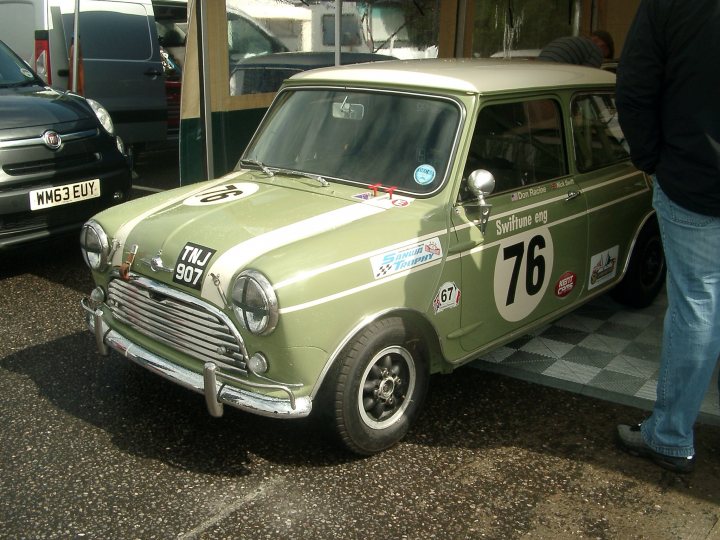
415,320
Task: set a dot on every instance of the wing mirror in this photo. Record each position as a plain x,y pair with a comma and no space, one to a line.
481,183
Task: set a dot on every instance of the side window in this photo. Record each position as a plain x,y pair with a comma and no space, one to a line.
112,31
597,136
519,143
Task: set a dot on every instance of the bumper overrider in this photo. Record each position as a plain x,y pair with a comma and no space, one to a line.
219,384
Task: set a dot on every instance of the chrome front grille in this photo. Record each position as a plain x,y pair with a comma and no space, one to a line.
177,320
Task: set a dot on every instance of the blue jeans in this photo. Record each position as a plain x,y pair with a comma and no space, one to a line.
691,335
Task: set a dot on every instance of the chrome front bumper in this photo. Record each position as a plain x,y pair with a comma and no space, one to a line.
216,393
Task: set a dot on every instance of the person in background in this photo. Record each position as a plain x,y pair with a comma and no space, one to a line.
668,106
605,43
572,50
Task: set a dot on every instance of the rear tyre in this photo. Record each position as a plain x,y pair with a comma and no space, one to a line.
379,387
646,272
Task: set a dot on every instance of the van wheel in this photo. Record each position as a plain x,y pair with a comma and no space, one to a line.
646,272
379,387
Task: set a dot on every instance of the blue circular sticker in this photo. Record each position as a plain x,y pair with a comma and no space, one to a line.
424,175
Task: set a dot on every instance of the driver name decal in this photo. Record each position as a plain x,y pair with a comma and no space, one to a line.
406,258
221,193
191,265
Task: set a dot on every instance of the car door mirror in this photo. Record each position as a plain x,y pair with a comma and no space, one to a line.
481,183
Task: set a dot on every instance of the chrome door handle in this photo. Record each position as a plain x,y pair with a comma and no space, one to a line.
572,195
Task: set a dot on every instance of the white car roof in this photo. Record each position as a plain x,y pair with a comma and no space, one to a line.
464,75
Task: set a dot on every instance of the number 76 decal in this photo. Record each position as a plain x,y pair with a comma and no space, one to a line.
522,269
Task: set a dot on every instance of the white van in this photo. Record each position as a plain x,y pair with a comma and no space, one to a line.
120,49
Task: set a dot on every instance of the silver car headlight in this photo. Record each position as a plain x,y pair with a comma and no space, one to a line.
102,115
95,246
255,303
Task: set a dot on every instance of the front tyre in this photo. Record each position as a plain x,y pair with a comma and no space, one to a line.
379,386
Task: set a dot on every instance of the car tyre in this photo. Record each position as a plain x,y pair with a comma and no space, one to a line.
379,386
646,272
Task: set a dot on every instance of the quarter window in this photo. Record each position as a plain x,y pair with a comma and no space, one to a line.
597,136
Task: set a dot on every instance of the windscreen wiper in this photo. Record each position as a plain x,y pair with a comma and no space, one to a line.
259,164
311,176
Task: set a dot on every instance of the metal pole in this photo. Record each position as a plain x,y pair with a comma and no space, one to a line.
577,10
76,46
338,23
205,100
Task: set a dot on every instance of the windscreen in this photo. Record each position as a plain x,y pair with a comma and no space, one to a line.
13,71
361,137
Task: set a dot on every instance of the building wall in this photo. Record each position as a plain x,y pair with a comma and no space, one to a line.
614,16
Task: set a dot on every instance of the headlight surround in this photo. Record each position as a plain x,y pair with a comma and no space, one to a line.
102,115
95,246
255,303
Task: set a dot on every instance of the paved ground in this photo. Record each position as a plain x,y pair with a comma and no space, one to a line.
94,448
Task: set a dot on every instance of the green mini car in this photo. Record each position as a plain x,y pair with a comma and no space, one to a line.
386,222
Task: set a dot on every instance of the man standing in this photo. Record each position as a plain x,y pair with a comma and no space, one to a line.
668,99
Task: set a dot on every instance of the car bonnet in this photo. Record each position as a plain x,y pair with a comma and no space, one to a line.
230,223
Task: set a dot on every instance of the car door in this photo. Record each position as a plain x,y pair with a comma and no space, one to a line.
617,194
121,63
529,262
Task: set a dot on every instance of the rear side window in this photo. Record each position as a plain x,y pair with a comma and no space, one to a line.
112,31
597,137
519,143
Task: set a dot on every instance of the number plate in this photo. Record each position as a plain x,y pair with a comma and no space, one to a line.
69,193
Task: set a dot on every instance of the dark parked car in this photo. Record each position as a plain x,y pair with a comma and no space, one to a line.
60,160
266,72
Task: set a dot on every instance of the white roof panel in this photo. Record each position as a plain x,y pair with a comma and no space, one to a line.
464,75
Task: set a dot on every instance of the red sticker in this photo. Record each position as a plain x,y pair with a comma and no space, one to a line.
565,284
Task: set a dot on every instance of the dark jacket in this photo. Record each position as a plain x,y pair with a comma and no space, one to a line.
668,98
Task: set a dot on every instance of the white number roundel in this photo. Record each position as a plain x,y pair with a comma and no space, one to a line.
522,272
221,193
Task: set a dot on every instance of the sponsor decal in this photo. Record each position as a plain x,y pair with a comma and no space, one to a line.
603,266
424,175
406,258
515,222
565,284
191,265
221,193
384,201
447,297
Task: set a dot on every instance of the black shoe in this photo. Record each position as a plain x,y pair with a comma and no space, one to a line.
630,439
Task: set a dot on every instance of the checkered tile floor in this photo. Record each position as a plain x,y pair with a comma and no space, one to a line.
603,350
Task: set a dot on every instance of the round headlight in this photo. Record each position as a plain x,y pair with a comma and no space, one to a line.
255,303
95,246
102,115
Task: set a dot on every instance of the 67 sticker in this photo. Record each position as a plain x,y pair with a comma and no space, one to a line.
191,264
522,272
447,297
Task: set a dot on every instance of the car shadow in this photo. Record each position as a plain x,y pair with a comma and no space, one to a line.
512,426
149,417
57,260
